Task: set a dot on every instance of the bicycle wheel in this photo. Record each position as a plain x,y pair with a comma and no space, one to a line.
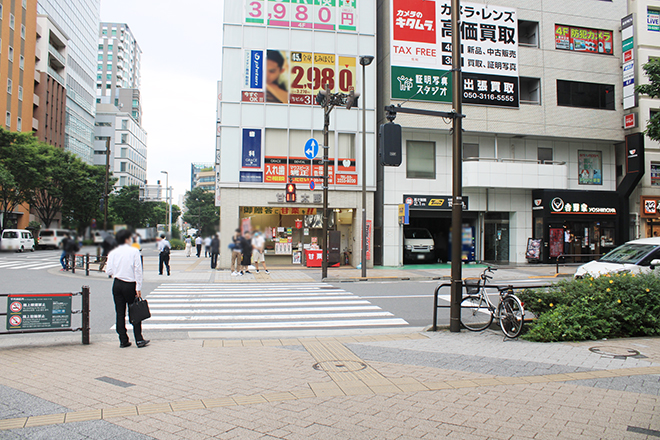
512,316
475,314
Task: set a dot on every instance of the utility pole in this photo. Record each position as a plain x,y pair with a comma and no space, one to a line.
327,108
364,61
107,177
457,173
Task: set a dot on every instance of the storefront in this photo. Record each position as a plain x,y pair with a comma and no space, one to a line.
650,214
578,224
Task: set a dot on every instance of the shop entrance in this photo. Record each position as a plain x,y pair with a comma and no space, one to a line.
581,238
496,237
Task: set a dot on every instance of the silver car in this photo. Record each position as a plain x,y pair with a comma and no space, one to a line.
635,256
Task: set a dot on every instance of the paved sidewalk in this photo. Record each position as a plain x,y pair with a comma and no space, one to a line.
398,386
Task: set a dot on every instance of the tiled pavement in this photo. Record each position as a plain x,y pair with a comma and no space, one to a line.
404,386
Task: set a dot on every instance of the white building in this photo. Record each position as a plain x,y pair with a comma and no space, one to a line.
542,90
272,70
79,20
645,45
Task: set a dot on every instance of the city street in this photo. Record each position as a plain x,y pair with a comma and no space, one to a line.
288,356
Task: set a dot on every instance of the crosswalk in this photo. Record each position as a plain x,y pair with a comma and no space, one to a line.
261,307
29,263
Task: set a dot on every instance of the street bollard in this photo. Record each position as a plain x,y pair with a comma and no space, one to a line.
87,264
85,315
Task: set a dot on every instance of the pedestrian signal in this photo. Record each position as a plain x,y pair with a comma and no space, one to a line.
291,192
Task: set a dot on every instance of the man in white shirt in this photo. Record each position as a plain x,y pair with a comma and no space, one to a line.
164,248
258,250
207,247
125,266
198,244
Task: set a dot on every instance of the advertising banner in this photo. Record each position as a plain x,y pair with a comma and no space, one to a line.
251,176
255,210
581,39
295,77
251,148
278,170
653,20
628,47
421,53
443,203
326,15
38,311
590,170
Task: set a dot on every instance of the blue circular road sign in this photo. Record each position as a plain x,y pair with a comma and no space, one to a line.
311,149
312,185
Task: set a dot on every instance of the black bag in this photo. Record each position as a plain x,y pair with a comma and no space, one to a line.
166,250
138,311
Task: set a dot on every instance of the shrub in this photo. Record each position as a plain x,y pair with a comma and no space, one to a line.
617,305
177,244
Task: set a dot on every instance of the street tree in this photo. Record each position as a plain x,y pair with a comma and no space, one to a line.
652,89
201,211
19,156
79,209
127,208
157,213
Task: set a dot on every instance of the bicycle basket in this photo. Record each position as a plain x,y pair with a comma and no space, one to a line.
472,287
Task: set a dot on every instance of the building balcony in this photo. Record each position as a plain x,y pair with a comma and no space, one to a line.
37,76
485,172
35,100
57,55
56,76
35,124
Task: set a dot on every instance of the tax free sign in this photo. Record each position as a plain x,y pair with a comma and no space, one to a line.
421,53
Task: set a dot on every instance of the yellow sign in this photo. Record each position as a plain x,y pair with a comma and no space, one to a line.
436,202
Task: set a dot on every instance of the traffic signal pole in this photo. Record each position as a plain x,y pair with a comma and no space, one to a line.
326,124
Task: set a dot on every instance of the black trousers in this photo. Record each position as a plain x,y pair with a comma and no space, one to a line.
214,260
199,250
163,259
124,293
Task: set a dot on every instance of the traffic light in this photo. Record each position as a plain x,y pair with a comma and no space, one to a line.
291,192
352,100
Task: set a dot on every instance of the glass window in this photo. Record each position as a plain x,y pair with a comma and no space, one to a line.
10,55
8,119
124,124
470,151
124,138
420,160
9,86
19,124
12,21
655,173
21,62
590,170
346,146
528,33
23,31
20,93
122,166
544,154
585,95
530,90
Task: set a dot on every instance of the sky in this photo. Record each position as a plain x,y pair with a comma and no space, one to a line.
181,64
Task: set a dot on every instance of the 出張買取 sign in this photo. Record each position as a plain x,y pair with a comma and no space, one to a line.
38,311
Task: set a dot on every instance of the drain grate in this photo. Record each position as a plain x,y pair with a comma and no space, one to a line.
116,382
339,366
615,352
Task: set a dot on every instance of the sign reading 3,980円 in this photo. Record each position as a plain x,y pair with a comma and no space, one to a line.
303,14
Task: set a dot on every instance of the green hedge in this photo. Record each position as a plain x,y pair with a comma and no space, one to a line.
177,244
617,305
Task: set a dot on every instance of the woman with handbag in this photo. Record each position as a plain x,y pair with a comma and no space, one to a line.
125,266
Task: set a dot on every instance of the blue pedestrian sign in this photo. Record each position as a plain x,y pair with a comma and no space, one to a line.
311,149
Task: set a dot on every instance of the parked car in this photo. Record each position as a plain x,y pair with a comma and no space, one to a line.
52,238
418,245
18,240
635,256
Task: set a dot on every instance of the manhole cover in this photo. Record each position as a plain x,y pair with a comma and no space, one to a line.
339,366
618,352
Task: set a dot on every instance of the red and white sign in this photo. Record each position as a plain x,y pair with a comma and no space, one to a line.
346,179
15,321
628,56
414,33
630,121
16,307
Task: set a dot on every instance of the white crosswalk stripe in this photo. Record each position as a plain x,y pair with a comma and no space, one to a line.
29,263
261,307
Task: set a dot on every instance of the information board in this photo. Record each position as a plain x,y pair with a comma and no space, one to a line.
38,311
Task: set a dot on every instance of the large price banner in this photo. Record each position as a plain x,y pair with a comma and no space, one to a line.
296,77
329,15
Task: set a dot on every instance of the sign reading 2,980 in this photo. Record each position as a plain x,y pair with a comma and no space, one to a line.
295,77
304,14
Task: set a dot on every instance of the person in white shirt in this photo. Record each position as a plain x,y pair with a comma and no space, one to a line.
198,244
188,245
207,247
258,250
164,248
125,266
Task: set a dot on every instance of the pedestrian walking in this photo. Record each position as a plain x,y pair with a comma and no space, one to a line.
164,249
259,248
198,244
246,247
207,246
64,258
236,253
125,266
188,245
215,250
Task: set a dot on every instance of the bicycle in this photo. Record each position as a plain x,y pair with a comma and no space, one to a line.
478,311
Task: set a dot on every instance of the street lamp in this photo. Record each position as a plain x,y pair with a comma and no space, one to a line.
364,61
168,198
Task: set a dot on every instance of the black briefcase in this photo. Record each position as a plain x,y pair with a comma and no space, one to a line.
139,310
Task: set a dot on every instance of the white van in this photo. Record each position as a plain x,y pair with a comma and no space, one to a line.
52,238
18,240
418,245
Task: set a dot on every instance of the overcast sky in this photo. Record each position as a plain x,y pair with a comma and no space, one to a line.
181,63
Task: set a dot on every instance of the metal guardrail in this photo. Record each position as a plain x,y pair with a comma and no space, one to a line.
84,293
471,284
82,261
575,255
